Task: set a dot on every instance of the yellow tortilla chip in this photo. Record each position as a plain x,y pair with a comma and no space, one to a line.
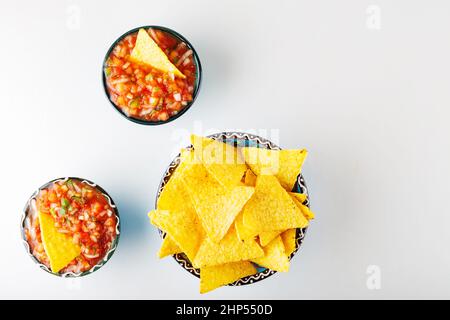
275,257
230,249
289,241
182,227
307,212
174,196
168,247
242,232
284,164
300,197
267,236
148,52
216,206
271,208
221,275
222,161
187,156
250,178
59,247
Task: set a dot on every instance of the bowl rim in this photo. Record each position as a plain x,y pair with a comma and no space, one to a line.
300,185
107,255
198,79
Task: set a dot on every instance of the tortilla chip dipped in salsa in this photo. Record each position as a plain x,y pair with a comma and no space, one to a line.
60,248
71,226
151,75
146,51
230,218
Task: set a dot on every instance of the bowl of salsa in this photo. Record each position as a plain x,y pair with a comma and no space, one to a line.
70,227
151,75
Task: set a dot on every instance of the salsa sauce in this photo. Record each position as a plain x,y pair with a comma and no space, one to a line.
80,211
146,93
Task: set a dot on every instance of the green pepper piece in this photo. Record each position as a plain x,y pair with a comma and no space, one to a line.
69,183
134,103
77,199
65,203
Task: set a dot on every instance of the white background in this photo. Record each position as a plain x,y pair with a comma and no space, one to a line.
370,105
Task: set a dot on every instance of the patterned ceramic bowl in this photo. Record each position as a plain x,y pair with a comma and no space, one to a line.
24,222
241,140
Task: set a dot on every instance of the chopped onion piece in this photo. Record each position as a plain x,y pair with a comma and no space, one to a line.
183,57
121,80
143,113
170,106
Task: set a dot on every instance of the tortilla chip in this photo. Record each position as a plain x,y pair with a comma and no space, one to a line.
267,236
168,247
284,164
307,212
216,206
250,178
187,156
275,257
289,241
221,275
148,52
59,247
174,196
230,249
271,208
300,197
182,226
242,232
222,161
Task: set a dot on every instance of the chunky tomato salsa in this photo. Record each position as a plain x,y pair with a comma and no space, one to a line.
144,92
80,211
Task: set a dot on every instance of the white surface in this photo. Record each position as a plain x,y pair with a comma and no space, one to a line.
371,106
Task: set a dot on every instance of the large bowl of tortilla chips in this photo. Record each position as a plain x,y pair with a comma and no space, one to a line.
232,209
